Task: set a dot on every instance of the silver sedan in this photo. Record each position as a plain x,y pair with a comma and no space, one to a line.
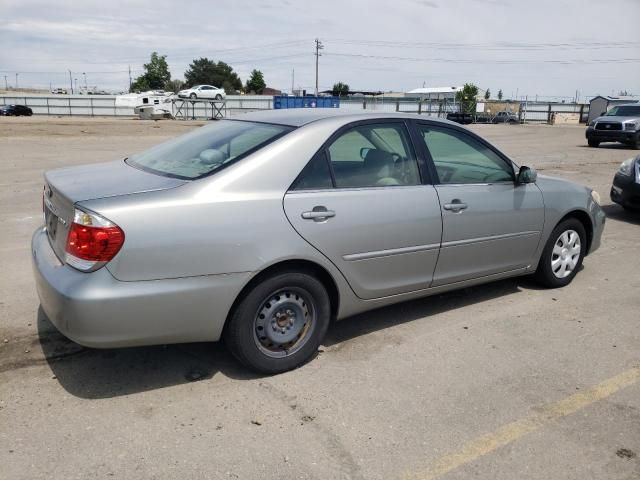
262,229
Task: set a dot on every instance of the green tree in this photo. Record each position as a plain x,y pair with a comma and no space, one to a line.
500,94
156,74
340,89
255,83
208,72
467,97
174,85
487,94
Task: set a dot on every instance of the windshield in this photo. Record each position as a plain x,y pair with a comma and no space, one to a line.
207,149
624,111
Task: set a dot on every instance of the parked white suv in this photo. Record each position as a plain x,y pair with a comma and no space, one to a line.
203,91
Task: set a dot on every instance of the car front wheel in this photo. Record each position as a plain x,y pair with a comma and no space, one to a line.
563,254
280,323
193,95
218,97
593,143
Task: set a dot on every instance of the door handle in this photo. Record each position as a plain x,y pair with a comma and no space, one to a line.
455,205
318,214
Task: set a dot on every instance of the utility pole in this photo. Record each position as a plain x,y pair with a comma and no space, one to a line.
86,89
6,85
129,77
16,80
293,78
319,47
70,81
76,80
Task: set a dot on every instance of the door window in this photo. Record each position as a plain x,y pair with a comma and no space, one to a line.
373,155
460,159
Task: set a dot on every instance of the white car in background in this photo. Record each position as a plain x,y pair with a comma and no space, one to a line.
203,91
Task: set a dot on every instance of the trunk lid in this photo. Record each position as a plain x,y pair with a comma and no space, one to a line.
65,187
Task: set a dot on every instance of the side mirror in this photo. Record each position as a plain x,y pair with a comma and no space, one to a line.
364,151
527,175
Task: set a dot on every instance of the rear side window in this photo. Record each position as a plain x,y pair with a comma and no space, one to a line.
460,159
315,176
207,149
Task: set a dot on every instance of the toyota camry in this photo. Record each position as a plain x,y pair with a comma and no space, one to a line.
262,229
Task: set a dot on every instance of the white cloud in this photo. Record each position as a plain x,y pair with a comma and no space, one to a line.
277,36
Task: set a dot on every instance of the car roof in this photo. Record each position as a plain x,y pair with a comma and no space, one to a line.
297,117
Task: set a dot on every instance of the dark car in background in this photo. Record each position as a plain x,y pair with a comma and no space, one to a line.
505,117
15,110
625,190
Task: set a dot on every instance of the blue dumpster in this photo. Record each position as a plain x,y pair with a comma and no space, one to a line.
281,101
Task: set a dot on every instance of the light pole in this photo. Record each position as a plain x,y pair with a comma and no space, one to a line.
70,82
6,85
16,80
85,82
319,47
76,80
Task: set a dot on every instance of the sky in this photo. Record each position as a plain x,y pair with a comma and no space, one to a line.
548,48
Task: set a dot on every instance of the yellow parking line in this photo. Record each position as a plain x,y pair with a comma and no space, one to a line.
513,431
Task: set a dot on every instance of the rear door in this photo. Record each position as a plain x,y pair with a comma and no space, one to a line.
361,203
490,224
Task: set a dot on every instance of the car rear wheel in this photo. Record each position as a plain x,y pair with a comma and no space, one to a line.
562,255
218,97
280,323
193,95
593,143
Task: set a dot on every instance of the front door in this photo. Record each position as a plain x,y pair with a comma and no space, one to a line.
361,203
490,223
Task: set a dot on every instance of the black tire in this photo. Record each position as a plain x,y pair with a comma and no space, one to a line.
544,274
242,332
193,95
218,97
635,143
593,143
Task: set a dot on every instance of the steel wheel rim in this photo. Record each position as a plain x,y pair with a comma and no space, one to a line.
565,254
284,322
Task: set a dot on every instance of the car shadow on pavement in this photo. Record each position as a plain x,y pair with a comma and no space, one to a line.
393,315
94,374
616,212
608,146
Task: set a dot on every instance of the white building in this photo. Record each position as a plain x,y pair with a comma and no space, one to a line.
434,93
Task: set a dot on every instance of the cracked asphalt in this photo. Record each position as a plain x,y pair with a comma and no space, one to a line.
499,381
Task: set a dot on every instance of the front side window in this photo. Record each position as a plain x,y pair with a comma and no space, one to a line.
459,158
207,149
373,155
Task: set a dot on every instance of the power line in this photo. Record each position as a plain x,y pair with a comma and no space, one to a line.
480,61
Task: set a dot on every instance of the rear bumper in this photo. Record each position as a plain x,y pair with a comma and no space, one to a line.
611,136
625,191
96,310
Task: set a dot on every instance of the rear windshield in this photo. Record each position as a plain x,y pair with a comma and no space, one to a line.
207,149
625,111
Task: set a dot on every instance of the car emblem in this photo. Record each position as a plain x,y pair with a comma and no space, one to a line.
607,126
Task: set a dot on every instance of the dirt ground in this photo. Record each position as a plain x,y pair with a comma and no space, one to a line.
501,381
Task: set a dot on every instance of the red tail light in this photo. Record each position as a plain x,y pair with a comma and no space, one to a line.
92,241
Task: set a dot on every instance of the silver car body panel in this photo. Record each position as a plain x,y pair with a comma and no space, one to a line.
497,232
380,252
191,247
